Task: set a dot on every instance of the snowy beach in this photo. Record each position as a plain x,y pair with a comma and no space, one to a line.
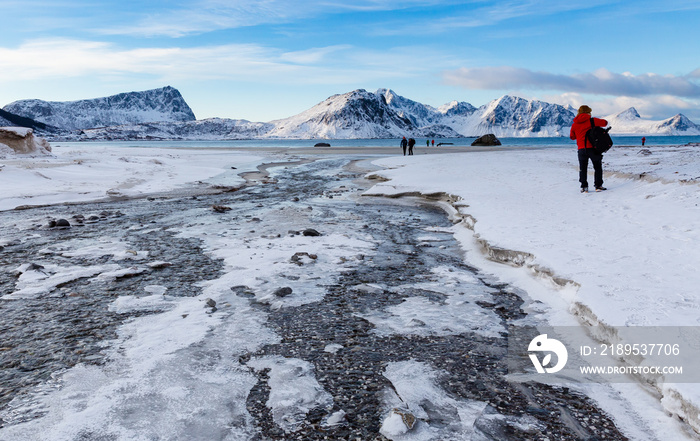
622,258
625,257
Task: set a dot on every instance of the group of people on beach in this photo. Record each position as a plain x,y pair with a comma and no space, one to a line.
410,142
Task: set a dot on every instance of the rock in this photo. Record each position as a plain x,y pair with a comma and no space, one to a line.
398,423
220,208
211,304
60,223
322,144
487,140
34,267
283,292
297,258
22,140
644,152
310,232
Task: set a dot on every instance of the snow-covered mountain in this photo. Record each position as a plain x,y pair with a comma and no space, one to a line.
419,114
362,114
629,122
210,129
164,114
165,104
511,116
384,114
8,119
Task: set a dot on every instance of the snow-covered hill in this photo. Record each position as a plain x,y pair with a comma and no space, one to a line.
629,122
165,104
164,114
210,129
362,114
8,119
384,114
511,116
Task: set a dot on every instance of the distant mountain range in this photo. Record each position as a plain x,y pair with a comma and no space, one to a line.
164,114
165,104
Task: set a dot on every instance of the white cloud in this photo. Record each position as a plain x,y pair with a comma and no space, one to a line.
599,82
651,107
70,58
313,55
339,64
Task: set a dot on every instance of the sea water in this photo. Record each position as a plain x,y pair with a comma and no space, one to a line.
550,142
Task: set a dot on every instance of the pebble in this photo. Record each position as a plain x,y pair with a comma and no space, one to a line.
282,292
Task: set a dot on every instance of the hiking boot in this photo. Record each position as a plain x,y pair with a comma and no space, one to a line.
584,189
600,189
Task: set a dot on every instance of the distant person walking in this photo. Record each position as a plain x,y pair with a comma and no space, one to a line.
404,144
433,143
644,140
411,143
581,125
427,143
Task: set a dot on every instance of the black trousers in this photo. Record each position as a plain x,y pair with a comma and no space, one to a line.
597,159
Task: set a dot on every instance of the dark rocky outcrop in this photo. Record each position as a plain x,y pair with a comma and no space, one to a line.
486,140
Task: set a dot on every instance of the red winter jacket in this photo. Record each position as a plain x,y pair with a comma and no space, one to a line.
582,124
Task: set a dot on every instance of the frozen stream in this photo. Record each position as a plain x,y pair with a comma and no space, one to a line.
295,310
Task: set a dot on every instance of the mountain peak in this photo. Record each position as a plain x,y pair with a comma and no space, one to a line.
164,104
630,114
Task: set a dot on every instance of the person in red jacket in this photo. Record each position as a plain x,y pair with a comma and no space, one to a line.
581,125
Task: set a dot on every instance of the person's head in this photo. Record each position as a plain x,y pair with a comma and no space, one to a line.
584,109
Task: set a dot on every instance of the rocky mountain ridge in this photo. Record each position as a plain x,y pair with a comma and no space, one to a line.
164,114
165,104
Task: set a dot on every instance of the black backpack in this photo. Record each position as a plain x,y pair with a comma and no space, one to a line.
599,138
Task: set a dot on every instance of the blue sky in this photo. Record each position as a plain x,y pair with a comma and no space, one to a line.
269,59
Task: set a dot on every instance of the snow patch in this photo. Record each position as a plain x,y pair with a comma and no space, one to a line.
437,415
294,390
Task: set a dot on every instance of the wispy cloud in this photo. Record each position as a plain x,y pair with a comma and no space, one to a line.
58,58
336,64
600,82
313,55
486,13
210,15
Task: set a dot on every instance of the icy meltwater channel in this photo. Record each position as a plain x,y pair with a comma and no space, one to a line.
294,310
